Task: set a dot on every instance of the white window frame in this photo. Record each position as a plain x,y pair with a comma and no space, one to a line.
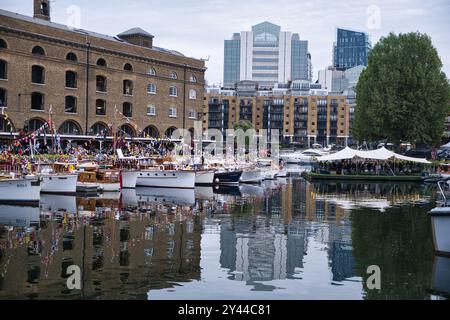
193,78
174,75
193,94
176,91
151,107
172,114
151,85
192,114
152,72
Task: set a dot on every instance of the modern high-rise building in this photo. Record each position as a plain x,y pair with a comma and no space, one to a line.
267,56
351,49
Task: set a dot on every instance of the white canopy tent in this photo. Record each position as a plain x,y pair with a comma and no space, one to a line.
445,146
378,154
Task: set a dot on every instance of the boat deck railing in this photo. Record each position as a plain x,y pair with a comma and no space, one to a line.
442,186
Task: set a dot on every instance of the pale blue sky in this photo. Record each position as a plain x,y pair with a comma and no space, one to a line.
197,28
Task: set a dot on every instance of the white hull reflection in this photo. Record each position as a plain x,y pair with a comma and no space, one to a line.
184,197
19,216
204,193
441,276
52,203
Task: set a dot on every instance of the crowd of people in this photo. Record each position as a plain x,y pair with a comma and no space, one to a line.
349,167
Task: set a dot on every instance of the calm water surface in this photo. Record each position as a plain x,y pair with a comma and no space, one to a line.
284,239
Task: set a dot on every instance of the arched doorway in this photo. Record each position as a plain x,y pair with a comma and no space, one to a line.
5,125
127,130
150,132
34,124
99,128
70,127
169,132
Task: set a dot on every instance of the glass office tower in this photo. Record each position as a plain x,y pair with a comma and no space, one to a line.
351,49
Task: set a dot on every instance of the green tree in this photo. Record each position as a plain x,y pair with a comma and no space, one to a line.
402,95
243,124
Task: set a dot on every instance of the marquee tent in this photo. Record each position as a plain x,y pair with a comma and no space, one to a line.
378,154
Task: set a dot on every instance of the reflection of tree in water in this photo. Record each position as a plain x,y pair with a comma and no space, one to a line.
399,241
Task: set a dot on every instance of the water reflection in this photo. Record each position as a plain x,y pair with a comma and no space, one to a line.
286,239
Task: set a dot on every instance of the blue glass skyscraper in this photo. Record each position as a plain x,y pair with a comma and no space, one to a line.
351,49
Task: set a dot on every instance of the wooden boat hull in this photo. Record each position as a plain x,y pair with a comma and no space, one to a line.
64,183
166,179
20,191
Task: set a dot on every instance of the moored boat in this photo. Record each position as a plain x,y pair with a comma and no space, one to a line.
20,190
440,223
251,175
129,178
204,177
166,178
225,177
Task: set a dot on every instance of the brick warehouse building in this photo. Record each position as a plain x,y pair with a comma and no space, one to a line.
86,76
301,117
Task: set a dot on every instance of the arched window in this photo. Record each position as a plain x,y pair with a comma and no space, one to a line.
37,75
34,124
151,88
3,69
5,125
127,109
100,107
70,127
128,87
170,131
174,75
193,78
38,51
150,132
3,44
192,94
152,72
71,104
101,62
173,91
3,98
99,128
37,101
127,130
71,79
100,83
71,56
44,9
128,67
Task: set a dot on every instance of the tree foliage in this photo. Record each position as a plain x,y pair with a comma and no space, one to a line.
402,95
243,124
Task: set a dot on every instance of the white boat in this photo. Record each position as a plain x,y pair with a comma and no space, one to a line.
14,190
204,177
440,223
251,176
306,156
129,178
166,178
58,183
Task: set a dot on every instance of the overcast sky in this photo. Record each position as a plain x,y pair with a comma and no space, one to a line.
197,28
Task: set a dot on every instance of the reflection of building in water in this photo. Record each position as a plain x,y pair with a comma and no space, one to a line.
126,250
262,251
